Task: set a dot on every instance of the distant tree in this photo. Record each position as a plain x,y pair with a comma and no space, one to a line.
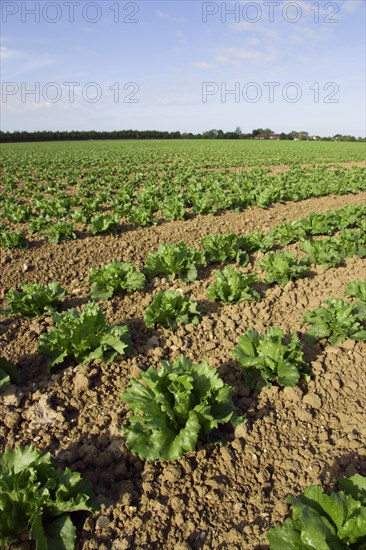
231,135
211,134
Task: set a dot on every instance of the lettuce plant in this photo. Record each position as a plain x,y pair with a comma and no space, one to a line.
12,239
104,223
357,289
282,267
53,207
35,299
61,231
84,335
222,247
353,242
8,372
270,358
289,232
169,308
37,498
320,224
39,224
330,252
233,286
85,211
17,213
319,521
174,260
174,407
325,252
172,208
141,217
113,278
336,320
256,240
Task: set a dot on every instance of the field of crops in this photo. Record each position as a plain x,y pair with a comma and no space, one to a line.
249,256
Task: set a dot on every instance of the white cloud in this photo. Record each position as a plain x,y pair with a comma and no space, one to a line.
23,62
305,33
203,65
5,53
168,17
236,56
259,29
351,6
253,41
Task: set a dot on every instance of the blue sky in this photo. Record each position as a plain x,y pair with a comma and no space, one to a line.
184,65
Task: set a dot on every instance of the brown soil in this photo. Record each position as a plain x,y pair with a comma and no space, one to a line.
218,497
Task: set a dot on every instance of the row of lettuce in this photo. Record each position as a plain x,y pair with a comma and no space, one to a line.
104,208
84,335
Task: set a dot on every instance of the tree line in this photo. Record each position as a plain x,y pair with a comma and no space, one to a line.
76,135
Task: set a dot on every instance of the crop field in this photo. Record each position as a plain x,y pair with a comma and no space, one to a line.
183,323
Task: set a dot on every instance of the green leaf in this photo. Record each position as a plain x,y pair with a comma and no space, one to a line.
84,335
12,239
336,320
354,486
113,278
174,260
271,357
318,532
61,231
8,372
288,374
322,522
357,289
169,308
34,496
233,287
35,299
353,532
61,534
281,267
286,537
223,247
286,233
36,531
104,223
